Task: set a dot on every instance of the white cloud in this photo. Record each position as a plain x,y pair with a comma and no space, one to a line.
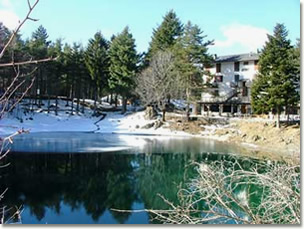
250,38
9,18
7,15
6,3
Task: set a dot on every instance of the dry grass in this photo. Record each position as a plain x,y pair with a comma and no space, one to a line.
284,142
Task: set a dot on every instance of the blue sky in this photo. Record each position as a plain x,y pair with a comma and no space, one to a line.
237,26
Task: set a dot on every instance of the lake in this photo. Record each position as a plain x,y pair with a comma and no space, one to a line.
61,178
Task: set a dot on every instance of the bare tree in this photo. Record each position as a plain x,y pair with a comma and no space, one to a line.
157,84
224,193
9,100
19,80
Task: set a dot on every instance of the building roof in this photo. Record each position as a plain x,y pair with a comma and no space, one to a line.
237,57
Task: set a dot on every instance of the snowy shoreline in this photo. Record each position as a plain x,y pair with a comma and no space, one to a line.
128,124
113,123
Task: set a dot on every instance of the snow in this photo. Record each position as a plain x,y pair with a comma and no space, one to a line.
130,123
41,121
249,144
180,104
48,122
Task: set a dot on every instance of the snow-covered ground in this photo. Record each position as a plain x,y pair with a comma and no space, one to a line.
114,122
132,123
41,121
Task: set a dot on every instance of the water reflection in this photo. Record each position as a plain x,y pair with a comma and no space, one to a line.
83,187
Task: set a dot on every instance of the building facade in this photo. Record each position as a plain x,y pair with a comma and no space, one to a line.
229,91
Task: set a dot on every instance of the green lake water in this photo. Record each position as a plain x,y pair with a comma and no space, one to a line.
79,177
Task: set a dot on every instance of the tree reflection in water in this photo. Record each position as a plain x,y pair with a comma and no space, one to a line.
98,182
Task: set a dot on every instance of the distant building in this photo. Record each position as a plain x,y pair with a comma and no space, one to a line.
229,92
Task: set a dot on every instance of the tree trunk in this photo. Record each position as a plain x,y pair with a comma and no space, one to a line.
188,105
83,102
195,108
56,107
72,99
35,92
95,101
111,98
164,115
79,89
287,111
67,97
124,105
115,100
40,89
188,112
77,107
48,91
32,102
49,103
278,121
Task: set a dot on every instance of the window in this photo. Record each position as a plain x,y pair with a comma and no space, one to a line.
236,78
256,62
218,68
236,66
246,63
219,79
245,90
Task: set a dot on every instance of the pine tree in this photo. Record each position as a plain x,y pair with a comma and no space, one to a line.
191,51
278,79
67,71
4,35
38,49
15,52
56,70
165,36
40,35
260,95
97,62
123,65
40,42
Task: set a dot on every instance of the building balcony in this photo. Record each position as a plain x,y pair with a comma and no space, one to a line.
229,97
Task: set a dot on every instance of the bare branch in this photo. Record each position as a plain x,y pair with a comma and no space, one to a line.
221,188
22,96
28,62
29,4
18,28
9,92
32,19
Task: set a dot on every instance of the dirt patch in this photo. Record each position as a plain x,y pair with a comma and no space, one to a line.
283,142
260,139
192,127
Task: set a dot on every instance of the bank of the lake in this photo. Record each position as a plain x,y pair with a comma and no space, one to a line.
79,167
259,138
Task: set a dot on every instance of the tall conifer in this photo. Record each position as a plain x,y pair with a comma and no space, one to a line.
165,35
277,83
123,65
97,62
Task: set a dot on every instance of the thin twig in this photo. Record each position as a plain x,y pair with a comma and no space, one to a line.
18,28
